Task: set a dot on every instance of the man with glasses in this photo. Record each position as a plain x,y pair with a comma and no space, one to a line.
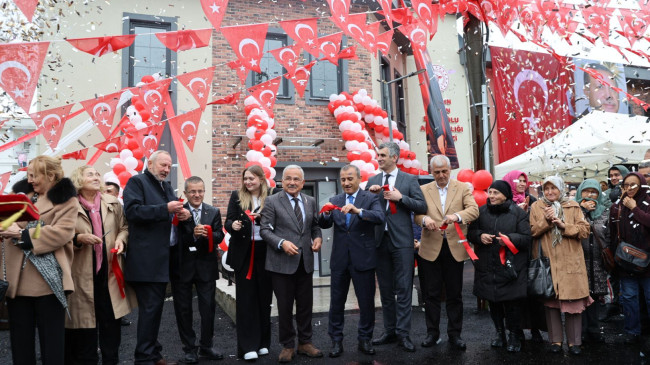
194,261
644,169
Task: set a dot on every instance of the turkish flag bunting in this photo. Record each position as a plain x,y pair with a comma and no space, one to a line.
349,53
533,20
304,32
329,46
356,28
447,7
154,97
214,10
99,46
187,125
339,7
416,33
27,7
102,111
51,123
301,77
149,138
183,40
247,41
113,145
428,15
597,20
20,66
198,84
76,155
265,93
372,32
231,99
288,57
242,71
4,180
531,97
474,8
384,41
634,25
400,15
387,8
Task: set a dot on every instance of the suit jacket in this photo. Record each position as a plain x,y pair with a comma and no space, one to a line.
279,222
150,224
459,201
200,265
400,228
354,244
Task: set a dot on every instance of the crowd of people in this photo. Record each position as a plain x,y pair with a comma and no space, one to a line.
90,260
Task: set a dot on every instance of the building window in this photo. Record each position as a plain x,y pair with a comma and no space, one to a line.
400,108
326,79
272,69
386,76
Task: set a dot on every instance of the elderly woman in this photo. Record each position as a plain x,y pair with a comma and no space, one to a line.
591,200
630,222
500,272
518,182
38,265
100,298
558,224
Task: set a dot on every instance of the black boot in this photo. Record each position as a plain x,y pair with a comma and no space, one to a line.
514,344
500,340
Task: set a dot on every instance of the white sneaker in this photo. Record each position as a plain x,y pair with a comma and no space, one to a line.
263,351
250,355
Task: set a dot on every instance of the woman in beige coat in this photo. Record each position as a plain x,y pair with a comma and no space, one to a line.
101,297
559,225
38,265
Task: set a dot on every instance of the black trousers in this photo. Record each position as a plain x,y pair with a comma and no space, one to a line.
27,313
510,311
205,292
151,297
290,288
364,288
433,274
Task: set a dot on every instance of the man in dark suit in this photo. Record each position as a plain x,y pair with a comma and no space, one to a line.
195,262
290,227
353,257
395,253
150,205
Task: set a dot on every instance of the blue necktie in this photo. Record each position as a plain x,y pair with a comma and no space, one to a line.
348,216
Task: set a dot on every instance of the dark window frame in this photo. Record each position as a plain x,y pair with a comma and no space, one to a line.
342,78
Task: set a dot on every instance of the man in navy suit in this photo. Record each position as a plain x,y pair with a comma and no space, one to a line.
353,257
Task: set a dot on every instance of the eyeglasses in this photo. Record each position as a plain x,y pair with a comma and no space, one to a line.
195,192
592,193
630,186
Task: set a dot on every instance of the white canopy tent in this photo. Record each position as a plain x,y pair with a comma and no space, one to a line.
586,149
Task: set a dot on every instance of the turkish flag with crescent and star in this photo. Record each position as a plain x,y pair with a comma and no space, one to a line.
265,93
20,67
149,138
304,32
214,10
384,41
330,46
242,71
416,33
76,155
113,145
183,40
154,97
340,10
231,99
198,84
51,123
247,41
428,15
356,28
301,77
530,90
288,57
102,111
99,46
187,125
4,180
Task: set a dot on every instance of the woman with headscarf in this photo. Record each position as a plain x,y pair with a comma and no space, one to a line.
630,222
518,182
591,200
558,225
501,238
38,264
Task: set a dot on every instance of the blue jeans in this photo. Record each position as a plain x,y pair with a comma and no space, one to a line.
630,301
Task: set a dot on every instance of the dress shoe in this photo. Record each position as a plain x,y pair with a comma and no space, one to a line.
190,358
251,355
575,350
406,344
263,351
365,346
211,354
500,340
337,349
457,343
309,350
286,355
124,322
514,343
555,348
430,340
384,339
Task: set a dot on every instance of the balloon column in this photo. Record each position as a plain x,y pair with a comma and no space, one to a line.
478,183
260,135
127,163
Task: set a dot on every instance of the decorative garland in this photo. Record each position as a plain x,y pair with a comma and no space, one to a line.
260,135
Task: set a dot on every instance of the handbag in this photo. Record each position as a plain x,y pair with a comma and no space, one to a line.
540,282
632,259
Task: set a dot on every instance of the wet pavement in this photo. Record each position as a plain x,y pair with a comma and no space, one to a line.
477,332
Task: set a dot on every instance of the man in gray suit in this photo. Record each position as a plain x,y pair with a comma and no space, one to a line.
395,253
289,226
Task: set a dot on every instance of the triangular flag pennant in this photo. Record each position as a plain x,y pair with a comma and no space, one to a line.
198,84
340,10
154,97
149,138
231,99
99,46
288,57
76,155
372,31
427,15
113,145
247,41
242,71
20,67
214,10
301,77
386,6
265,93
51,123
355,28
349,53
304,32
27,7
183,40
187,125
4,180
102,111
329,46
384,41
416,33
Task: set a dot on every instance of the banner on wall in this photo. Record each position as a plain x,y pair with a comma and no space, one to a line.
591,94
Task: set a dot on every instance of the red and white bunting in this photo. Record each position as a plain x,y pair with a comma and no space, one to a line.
154,97
355,28
386,6
27,7
265,93
416,33
231,99
301,77
330,46
427,15
183,40
384,41
187,125
99,46
372,31
102,111
340,10
198,84
247,41
214,10
76,155
288,57
20,67
51,123
304,32
149,138
113,145
242,71
349,53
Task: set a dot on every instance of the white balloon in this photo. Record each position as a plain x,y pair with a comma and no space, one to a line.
253,155
400,161
373,102
110,176
368,167
274,149
369,118
366,100
131,163
267,139
338,111
265,161
357,98
133,172
333,97
404,146
362,147
373,153
356,127
250,132
125,153
272,133
342,97
363,92
351,145
377,119
271,122
408,164
384,122
358,163
345,125
250,100
272,173
114,161
416,164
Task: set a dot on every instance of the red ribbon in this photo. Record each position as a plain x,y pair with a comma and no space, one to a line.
249,275
444,226
463,240
502,250
175,219
328,208
117,271
210,239
391,204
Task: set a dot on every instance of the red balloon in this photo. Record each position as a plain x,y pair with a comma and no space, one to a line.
137,153
259,133
383,114
251,163
482,180
267,172
346,94
124,176
249,108
262,124
359,107
379,128
375,164
132,144
119,168
353,117
272,183
274,161
348,135
256,145
347,103
386,132
140,165
480,197
267,151
365,156
364,176
465,175
331,107
359,136
353,156
403,153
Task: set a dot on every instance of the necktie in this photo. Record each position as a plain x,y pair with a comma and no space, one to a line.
348,216
197,220
296,209
386,183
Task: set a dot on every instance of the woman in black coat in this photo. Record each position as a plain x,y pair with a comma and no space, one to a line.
500,274
247,256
